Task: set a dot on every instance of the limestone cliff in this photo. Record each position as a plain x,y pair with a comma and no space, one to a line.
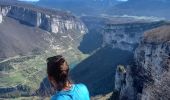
153,59
126,36
31,28
47,19
148,78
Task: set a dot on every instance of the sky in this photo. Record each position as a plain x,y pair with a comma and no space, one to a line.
28,0
122,0
38,0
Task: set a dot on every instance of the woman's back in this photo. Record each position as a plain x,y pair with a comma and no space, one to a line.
58,75
76,92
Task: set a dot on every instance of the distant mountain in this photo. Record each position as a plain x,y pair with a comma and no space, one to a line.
158,8
80,6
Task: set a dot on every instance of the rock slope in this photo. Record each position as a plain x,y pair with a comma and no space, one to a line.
127,35
28,28
148,78
153,57
28,35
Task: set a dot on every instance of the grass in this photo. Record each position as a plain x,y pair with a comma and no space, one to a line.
31,71
12,80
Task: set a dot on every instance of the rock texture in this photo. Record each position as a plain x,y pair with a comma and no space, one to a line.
36,29
153,57
126,36
49,20
148,78
123,89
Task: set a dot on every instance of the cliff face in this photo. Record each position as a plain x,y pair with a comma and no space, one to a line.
126,36
149,76
28,35
36,29
123,31
153,57
49,20
123,89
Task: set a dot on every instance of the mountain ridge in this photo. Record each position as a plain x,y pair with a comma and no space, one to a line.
26,21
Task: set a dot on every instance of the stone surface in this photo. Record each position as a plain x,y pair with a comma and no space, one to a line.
33,28
49,20
153,56
126,36
149,75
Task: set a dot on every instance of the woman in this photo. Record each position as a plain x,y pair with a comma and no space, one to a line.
58,75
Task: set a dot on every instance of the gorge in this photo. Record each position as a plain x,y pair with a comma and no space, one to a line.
148,77
29,35
95,46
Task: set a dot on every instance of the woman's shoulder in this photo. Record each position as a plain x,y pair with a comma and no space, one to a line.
82,86
75,91
60,97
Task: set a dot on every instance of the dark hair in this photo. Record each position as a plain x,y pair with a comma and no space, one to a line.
58,68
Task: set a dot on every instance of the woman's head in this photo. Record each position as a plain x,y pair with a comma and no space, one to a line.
58,70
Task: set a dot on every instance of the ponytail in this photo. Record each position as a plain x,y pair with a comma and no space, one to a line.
58,68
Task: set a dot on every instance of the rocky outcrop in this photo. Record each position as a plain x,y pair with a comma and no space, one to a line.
126,36
149,75
49,20
36,29
123,89
153,57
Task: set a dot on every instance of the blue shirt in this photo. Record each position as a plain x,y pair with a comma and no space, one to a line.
76,92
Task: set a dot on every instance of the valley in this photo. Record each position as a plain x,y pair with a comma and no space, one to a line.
26,43
94,45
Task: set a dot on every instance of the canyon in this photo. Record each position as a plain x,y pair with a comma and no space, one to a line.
29,35
148,77
117,58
